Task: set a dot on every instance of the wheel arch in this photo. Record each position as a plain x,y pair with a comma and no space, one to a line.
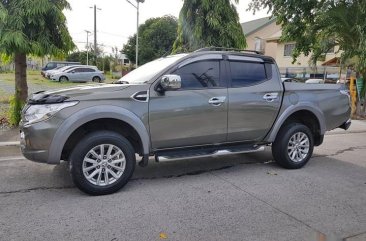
306,114
97,77
59,79
93,116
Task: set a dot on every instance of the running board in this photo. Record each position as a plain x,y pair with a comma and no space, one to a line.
182,155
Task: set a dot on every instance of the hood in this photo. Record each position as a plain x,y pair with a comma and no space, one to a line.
61,95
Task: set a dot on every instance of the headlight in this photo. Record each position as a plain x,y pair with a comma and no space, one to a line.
36,113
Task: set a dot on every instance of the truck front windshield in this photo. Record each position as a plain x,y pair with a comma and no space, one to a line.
144,73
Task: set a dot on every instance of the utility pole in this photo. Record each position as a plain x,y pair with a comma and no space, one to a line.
87,46
95,32
137,34
137,31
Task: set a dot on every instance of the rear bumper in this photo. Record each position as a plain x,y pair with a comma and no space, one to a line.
346,125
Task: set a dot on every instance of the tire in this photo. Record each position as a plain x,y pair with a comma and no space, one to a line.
63,79
82,159
293,146
97,79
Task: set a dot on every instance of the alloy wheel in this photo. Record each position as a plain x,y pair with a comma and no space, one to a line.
298,147
104,164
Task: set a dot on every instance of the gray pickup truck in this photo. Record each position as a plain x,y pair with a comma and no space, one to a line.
206,103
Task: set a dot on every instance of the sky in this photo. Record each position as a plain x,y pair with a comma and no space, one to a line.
116,20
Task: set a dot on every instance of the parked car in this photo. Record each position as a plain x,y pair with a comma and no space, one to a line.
79,74
55,64
49,73
206,103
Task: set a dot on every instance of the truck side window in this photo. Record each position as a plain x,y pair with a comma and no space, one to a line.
199,75
247,73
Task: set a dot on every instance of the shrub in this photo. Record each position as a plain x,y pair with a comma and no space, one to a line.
14,114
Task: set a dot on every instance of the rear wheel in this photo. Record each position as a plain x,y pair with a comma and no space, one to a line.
293,146
63,79
97,79
102,163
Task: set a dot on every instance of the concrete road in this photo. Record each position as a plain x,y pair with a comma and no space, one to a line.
244,197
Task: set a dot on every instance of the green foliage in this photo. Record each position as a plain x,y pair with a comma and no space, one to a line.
208,23
156,38
15,109
80,56
34,27
129,49
316,26
103,63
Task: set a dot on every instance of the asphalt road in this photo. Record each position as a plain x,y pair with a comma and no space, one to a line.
244,197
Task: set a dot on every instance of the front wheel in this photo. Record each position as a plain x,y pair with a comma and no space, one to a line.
293,146
63,79
102,163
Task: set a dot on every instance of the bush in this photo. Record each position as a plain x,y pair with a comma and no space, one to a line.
14,114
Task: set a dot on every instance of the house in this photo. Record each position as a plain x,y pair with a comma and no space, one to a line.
264,35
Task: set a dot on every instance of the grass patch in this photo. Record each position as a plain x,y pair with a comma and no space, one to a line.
4,97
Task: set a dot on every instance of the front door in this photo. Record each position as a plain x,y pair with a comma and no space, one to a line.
255,94
196,114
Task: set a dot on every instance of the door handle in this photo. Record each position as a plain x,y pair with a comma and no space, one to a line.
217,101
270,97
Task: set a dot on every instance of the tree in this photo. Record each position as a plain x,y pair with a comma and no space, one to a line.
317,26
80,56
156,38
32,27
208,23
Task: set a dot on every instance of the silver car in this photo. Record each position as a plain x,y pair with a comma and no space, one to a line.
79,74
49,73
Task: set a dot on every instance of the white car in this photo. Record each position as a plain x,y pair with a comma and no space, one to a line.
80,74
48,73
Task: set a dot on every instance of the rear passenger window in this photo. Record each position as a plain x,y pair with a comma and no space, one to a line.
198,75
75,70
247,73
89,70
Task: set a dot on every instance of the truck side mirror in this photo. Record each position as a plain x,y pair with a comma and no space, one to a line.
171,82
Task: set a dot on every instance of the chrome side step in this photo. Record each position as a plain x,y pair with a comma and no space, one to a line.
225,152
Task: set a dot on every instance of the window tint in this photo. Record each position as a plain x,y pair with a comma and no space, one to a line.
51,65
89,70
75,70
246,73
197,75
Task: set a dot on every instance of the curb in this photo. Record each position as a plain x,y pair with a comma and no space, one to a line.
10,143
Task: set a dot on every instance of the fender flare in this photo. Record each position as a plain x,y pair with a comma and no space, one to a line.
93,113
271,136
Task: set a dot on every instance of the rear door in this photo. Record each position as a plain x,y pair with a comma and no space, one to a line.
88,74
196,114
255,95
75,74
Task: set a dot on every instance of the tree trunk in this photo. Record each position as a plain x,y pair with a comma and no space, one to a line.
21,87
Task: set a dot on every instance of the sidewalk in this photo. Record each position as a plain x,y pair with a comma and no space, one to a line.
11,137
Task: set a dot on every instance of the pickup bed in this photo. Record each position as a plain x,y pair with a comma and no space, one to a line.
200,104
